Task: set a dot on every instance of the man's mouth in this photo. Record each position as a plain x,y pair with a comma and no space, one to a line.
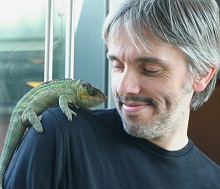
134,104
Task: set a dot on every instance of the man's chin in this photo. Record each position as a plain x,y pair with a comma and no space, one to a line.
136,117
137,131
145,129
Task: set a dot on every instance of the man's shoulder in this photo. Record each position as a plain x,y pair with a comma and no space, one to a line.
96,113
54,115
105,114
207,165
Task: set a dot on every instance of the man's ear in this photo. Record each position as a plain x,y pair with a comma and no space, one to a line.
200,82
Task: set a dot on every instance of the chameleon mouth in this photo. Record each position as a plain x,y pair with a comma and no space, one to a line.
104,97
82,96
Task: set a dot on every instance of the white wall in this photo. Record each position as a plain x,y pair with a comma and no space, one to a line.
113,3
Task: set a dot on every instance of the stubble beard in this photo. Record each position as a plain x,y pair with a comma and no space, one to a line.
165,121
157,128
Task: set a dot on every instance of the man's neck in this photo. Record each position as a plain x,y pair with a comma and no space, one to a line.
176,141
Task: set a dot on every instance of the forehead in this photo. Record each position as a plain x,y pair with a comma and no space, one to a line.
126,46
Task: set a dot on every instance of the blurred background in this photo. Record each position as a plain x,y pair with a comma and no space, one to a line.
42,40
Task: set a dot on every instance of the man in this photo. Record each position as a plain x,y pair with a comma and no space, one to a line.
165,57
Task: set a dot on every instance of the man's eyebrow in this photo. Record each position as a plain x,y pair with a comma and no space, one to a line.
149,60
140,59
111,57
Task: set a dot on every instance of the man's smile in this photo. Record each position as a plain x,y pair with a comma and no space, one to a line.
133,107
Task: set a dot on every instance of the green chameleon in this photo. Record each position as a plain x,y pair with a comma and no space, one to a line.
62,92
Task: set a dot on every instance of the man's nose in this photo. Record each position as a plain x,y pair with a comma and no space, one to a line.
129,84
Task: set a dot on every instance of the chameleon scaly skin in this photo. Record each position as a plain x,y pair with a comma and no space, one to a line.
62,92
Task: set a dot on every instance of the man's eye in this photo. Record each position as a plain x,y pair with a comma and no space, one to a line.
117,68
152,72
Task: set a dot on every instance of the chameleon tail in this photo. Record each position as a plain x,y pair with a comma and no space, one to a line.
10,145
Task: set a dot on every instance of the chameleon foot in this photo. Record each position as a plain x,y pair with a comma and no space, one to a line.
69,114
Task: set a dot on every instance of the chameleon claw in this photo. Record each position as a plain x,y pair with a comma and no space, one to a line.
69,114
40,130
73,113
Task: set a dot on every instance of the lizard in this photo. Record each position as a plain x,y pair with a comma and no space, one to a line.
27,112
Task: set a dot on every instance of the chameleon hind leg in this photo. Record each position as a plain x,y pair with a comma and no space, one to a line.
30,116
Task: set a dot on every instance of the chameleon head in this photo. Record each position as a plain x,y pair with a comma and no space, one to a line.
89,96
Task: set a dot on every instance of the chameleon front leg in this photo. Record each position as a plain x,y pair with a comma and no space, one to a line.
63,103
30,116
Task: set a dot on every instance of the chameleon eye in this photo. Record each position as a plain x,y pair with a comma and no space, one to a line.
92,92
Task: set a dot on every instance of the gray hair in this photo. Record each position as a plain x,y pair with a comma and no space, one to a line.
193,26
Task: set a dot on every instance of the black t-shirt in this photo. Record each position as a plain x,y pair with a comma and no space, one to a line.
94,152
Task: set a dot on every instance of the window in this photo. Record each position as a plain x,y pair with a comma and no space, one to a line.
37,44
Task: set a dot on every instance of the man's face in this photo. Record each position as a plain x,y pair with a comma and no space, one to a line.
152,88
